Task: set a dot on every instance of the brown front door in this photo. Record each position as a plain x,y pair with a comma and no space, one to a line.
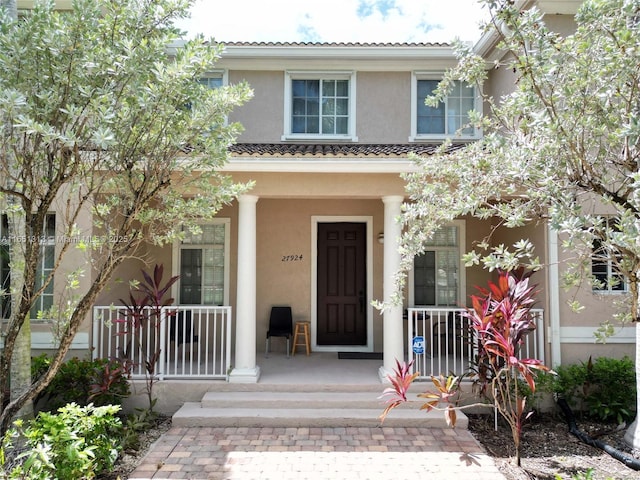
342,260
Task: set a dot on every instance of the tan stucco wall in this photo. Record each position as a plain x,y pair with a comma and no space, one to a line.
596,308
383,106
561,24
75,259
150,255
478,230
322,185
475,230
500,83
501,80
263,116
285,228
383,109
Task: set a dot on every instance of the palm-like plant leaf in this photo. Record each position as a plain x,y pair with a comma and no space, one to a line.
400,382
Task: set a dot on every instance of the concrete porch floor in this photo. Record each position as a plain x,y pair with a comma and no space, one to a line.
324,368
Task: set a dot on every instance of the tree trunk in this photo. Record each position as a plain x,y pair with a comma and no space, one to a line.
20,380
20,361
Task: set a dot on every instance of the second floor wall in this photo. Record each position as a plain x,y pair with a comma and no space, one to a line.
368,94
382,108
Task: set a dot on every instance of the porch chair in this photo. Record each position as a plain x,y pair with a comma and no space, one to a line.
180,328
452,331
180,331
280,325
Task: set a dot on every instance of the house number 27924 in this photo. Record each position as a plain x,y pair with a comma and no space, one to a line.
291,258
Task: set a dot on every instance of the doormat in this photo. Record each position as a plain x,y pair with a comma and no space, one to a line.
360,355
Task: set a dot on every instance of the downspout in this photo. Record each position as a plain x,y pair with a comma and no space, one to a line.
554,296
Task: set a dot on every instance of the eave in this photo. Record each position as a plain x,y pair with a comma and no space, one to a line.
361,57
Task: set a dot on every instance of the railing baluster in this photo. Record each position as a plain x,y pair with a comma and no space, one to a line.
207,357
449,340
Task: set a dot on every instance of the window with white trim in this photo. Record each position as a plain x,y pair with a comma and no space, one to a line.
204,265
5,271
435,277
319,106
604,261
213,80
450,119
45,266
46,263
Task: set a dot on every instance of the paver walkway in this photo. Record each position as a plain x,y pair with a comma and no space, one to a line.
352,453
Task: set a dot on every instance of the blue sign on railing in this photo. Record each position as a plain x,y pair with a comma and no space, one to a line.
418,345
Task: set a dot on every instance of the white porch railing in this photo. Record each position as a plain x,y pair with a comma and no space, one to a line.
448,341
195,341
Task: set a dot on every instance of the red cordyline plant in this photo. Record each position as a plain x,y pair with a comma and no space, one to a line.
143,321
501,318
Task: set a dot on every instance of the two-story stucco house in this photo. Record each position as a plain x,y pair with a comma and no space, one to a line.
327,136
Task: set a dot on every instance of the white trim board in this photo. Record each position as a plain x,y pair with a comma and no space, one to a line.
585,335
45,341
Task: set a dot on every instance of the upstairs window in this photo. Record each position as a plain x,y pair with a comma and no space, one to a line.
213,80
319,106
450,119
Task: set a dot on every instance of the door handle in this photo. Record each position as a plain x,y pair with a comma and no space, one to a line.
361,298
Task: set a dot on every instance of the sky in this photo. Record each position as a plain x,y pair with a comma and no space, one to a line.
365,21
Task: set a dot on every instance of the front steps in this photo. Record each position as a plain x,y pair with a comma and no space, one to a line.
306,406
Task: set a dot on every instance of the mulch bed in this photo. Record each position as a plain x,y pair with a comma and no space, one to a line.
548,449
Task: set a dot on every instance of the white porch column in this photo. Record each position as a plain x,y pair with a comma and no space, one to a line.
245,369
554,297
393,342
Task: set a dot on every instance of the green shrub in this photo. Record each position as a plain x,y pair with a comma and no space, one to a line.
78,442
100,381
604,389
136,423
39,365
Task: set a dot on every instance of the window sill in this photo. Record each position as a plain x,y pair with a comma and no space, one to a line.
319,138
610,292
442,138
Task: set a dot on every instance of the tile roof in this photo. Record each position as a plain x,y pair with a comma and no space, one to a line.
334,150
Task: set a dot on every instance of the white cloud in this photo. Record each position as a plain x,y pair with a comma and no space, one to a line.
336,20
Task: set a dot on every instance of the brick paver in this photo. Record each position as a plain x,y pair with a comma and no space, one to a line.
356,453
